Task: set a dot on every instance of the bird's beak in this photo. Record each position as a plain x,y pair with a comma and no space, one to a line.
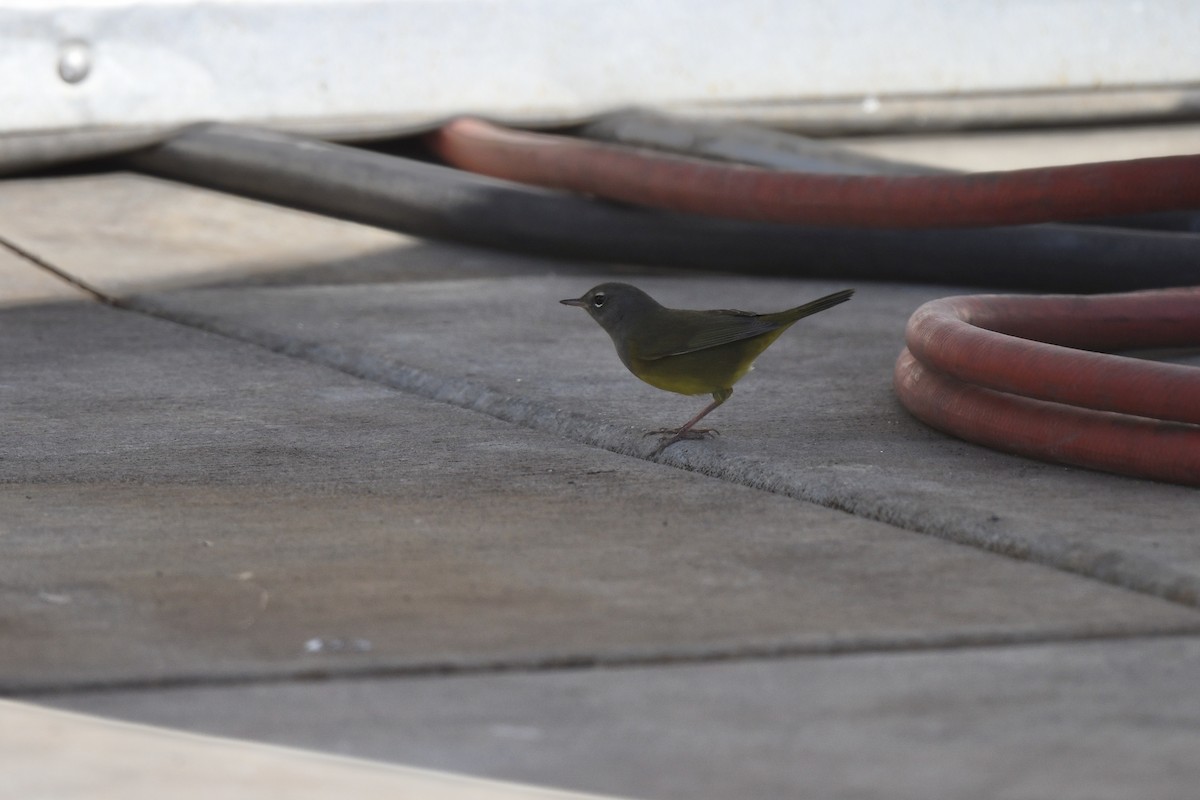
578,302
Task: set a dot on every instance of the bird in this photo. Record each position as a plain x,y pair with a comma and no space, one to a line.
685,351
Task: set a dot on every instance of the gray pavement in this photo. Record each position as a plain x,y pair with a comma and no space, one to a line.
1072,722
300,448
817,419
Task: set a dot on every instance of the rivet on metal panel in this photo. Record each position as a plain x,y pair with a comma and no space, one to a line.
74,60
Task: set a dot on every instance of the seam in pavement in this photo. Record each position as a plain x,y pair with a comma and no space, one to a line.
67,277
1114,567
847,647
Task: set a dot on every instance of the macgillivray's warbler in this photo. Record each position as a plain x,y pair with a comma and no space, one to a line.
688,352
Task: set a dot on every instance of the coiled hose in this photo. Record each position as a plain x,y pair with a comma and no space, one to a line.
1003,371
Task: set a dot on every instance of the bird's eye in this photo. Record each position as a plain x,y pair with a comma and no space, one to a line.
598,300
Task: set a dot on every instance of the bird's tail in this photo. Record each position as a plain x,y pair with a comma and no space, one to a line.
820,304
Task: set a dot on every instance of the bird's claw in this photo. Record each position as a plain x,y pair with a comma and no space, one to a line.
673,436
694,433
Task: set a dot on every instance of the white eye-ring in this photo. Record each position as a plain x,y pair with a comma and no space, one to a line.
598,300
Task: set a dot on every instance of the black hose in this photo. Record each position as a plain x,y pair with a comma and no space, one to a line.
437,202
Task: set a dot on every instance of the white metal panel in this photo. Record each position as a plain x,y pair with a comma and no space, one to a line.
103,62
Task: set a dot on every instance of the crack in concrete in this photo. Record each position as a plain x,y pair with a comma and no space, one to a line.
613,659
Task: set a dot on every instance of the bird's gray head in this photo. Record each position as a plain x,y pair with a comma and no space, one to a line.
611,303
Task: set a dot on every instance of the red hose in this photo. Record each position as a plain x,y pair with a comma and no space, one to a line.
967,373
743,192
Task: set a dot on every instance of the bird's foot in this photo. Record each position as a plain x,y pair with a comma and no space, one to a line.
672,435
693,433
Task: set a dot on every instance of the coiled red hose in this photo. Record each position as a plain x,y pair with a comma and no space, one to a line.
742,192
999,370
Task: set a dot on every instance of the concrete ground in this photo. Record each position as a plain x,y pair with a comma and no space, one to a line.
314,484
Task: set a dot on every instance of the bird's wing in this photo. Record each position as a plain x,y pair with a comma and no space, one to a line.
700,330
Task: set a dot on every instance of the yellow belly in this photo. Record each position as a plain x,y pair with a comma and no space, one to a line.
703,371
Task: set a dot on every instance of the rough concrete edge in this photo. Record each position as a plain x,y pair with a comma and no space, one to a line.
1111,566
833,646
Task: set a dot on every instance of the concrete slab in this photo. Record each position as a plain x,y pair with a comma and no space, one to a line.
180,508
1095,721
46,753
817,420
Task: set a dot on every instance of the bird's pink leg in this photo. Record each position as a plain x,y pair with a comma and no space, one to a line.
688,430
